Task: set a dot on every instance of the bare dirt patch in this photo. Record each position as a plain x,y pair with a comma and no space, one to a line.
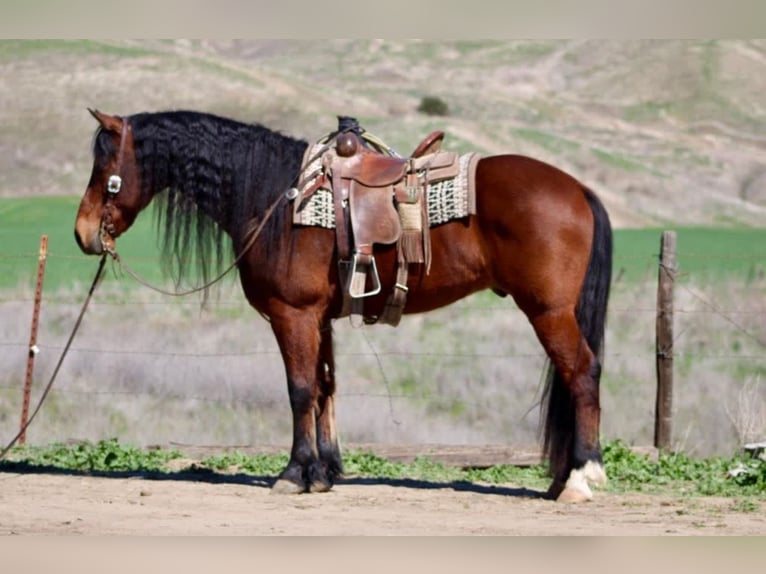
240,505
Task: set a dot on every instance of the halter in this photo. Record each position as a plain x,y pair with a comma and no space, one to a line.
113,187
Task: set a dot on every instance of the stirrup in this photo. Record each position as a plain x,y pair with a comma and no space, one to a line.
358,278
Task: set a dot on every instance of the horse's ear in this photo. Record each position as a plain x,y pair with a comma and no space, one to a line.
110,123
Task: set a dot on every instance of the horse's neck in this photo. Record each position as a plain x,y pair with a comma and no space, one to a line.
235,190
189,180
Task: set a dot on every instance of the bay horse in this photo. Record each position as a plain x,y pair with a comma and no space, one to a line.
538,235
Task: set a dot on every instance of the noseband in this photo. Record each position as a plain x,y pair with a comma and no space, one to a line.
113,187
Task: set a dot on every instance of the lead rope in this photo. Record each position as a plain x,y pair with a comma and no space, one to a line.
250,242
289,195
76,327
129,271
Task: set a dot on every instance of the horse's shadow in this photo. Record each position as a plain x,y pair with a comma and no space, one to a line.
459,486
210,476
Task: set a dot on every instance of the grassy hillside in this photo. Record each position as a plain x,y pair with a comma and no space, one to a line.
668,132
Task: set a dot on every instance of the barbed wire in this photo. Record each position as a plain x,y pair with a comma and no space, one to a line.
241,303
377,353
110,300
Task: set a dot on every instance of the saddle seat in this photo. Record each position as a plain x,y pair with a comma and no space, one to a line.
376,169
367,167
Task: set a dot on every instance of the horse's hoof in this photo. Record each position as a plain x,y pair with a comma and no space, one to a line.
577,487
283,486
320,486
573,496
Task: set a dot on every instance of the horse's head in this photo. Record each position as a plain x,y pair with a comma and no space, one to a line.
113,197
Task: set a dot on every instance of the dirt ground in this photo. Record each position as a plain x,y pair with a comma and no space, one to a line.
183,504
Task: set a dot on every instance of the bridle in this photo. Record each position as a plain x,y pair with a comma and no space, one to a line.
113,187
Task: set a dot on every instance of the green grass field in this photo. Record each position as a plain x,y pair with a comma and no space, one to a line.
704,254
24,221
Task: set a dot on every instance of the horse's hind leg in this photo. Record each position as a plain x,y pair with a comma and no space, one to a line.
328,444
572,426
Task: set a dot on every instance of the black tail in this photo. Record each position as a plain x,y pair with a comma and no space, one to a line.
559,414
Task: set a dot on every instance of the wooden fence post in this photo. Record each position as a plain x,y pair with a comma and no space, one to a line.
33,336
663,422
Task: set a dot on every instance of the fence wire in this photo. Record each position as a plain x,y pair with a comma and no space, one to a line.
381,368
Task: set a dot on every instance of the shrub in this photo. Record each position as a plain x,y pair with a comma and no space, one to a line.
433,106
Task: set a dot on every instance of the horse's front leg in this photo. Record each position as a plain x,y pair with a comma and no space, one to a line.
298,335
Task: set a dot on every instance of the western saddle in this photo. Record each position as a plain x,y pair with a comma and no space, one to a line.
379,198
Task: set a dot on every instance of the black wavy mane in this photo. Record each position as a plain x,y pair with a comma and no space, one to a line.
212,176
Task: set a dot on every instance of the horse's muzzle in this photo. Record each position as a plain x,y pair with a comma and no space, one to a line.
93,246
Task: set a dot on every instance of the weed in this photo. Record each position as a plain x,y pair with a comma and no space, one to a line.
103,456
678,472
743,480
365,463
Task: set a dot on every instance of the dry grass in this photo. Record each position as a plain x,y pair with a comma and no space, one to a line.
149,370
747,411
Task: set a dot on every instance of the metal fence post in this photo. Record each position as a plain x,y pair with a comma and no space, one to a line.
33,350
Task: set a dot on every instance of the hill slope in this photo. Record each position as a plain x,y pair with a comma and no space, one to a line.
667,132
